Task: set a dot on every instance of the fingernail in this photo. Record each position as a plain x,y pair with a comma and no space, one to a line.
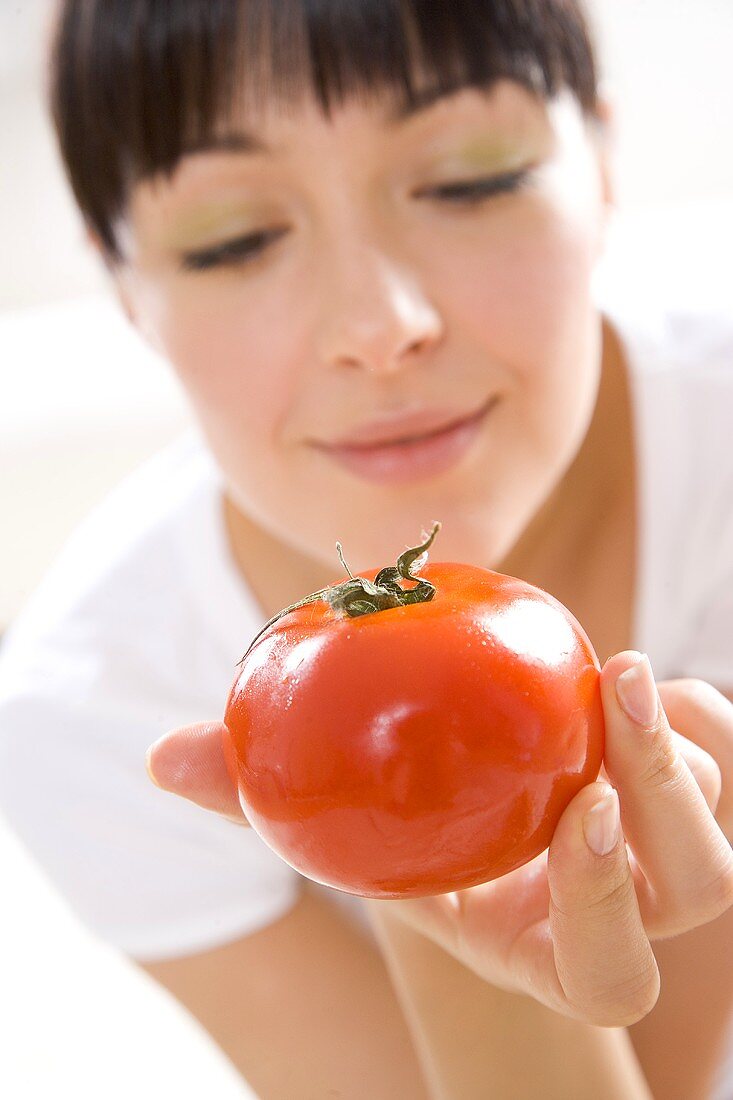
637,692
601,824
148,763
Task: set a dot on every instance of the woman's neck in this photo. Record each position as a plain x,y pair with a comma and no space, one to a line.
569,527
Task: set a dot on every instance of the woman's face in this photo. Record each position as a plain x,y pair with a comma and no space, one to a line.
373,292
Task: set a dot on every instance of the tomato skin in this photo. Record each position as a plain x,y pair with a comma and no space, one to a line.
420,749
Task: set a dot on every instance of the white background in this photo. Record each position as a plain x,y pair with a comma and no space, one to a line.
82,401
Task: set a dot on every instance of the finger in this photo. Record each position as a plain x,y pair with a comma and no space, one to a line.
602,955
704,769
190,762
686,860
703,714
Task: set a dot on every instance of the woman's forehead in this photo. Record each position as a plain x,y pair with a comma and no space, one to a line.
244,129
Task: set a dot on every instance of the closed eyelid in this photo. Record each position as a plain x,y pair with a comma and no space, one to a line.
200,223
234,248
497,181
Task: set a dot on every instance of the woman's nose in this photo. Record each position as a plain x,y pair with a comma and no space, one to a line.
374,313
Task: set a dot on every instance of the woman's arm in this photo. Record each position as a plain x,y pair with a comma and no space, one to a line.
304,1008
475,1040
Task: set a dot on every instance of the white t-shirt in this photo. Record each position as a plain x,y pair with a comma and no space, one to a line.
137,628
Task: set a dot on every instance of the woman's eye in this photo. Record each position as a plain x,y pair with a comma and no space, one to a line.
241,250
236,251
469,192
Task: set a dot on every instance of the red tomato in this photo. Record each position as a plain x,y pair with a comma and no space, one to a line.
417,748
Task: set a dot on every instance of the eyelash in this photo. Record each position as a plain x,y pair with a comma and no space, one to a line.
472,192
242,250
238,250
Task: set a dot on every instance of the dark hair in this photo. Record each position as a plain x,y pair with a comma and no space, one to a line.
133,83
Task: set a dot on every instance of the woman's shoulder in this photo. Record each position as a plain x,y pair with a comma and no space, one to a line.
665,289
665,284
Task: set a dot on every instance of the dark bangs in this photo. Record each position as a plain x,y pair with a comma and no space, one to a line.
134,83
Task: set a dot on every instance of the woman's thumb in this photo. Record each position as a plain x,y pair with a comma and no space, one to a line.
191,762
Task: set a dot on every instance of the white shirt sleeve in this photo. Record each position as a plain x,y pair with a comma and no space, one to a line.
702,564
708,647
111,652
147,871
711,644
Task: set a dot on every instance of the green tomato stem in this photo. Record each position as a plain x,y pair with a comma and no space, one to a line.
359,596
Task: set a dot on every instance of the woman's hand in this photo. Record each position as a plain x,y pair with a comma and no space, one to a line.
573,928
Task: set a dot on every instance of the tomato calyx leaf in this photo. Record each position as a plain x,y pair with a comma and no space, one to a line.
360,596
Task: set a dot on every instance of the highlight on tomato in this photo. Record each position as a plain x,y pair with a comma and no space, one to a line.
397,735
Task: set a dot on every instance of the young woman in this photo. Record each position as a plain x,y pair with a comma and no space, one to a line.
364,236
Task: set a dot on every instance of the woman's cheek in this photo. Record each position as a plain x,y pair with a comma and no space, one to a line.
525,295
236,387
528,306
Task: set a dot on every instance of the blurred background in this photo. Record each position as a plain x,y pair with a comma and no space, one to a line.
83,401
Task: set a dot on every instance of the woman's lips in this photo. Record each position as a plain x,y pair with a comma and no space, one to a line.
426,456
